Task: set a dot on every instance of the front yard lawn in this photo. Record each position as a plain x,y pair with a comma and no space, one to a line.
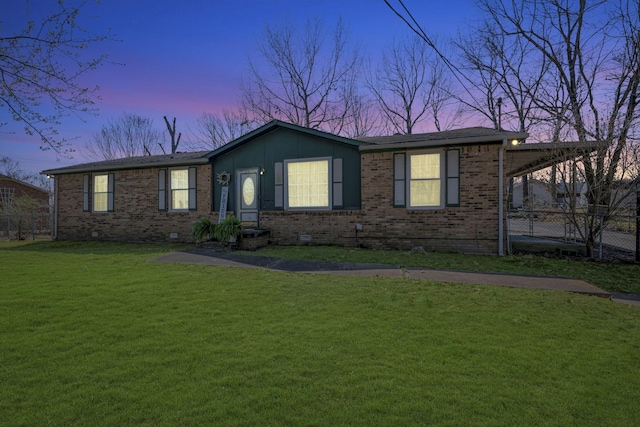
93,334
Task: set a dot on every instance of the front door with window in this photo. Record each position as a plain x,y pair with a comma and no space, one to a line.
247,197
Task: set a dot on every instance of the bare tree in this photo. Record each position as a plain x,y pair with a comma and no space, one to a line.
591,52
401,84
41,72
212,131
172,132
303,76
362,118
446,113
13,169
594,51
510,74
127,136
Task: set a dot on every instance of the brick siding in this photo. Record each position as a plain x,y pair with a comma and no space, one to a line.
471,227
20,189
136,216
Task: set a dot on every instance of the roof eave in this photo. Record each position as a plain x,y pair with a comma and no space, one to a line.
26,184
485,139
104,168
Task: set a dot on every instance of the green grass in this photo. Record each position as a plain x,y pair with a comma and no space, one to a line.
615,277
93,334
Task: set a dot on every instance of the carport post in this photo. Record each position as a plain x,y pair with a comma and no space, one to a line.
501,197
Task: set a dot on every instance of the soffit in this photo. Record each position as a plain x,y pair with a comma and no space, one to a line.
530,157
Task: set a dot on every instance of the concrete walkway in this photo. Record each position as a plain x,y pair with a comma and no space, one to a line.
212,257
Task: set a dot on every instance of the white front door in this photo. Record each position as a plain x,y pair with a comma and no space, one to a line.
247,197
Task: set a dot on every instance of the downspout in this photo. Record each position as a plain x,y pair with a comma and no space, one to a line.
54,231
501,197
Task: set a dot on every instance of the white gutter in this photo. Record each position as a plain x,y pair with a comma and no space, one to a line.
54,231
501,198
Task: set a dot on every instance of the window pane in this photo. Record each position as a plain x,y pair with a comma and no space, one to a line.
100,193
425,193
100,202
248,191
100,183
180,199
425,166
179,189
308,184
180,179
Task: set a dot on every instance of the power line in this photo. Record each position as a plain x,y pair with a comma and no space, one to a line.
413,24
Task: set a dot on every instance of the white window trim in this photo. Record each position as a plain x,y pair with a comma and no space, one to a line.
329,184
93,192
170,190
442,180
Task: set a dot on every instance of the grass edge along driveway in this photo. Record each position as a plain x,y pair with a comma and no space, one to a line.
93,334
613,277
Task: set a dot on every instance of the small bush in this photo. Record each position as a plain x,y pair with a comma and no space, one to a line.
229,228
203,229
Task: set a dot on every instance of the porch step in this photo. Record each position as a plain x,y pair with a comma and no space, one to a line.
254,238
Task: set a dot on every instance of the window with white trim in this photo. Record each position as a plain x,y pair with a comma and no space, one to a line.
177,189
100,186
425,183
100,193
308,183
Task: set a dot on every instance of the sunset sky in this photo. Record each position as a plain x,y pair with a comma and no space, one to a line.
181,58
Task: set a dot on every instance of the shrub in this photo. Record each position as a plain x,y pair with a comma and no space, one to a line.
203,230
229,228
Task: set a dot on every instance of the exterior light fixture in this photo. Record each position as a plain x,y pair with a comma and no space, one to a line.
261,171
515,142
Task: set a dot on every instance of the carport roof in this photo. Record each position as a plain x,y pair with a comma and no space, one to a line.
520,159
526,158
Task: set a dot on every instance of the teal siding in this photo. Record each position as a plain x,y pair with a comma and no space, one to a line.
285,144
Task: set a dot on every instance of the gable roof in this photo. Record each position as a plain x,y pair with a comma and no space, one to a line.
273,125
465,136
26,184
163,160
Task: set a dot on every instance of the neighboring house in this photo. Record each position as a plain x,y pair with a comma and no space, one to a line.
572,194
444,191
10,189
626,195
540,195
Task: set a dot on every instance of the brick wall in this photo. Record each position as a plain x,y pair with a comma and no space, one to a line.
136,216
320,227
21,189
470,228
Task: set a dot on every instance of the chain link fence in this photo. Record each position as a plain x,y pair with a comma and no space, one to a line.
615,237
25,226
